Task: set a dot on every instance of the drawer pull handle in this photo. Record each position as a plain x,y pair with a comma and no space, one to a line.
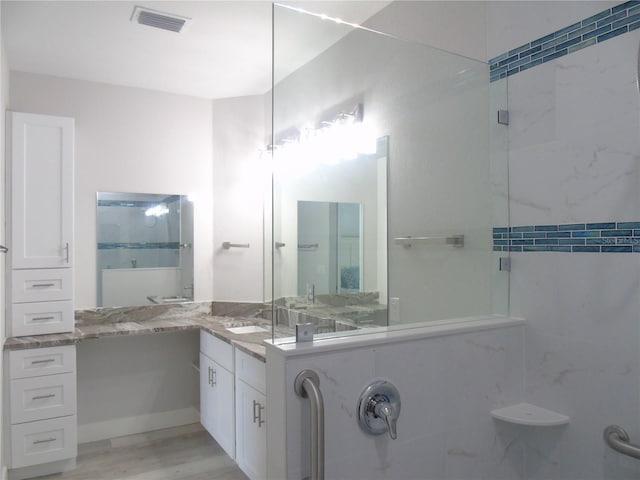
48,360
41,285
214,378
41,319
67,252
46,440
42,397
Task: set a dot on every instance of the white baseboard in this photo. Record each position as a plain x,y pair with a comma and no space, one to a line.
118,427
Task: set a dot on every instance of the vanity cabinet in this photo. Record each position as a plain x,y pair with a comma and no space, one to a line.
41,408
233,403
217,391
39,224
40,384
251,404
41,181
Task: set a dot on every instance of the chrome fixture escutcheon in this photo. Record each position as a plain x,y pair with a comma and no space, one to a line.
379,408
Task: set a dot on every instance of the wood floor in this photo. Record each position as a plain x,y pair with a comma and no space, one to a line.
181,453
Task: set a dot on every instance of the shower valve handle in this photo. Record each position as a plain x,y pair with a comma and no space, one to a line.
379,408
383,410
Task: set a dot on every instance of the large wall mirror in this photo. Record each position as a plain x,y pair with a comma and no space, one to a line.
330,239
144,249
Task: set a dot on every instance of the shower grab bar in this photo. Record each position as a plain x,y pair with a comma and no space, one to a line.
307,246
307,384
454,240
618,439
228,245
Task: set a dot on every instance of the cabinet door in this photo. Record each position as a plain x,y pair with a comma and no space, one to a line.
217,408
251,431
41,191
224,430
206,393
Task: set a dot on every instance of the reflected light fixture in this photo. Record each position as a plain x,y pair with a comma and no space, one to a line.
340,139
157,210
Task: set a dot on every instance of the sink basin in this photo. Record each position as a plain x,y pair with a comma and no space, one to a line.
247,329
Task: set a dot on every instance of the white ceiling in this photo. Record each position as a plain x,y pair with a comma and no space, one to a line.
224,52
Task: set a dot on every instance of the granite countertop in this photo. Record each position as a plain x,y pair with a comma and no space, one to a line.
109,322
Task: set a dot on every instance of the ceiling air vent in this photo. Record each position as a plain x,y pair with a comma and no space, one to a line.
162,20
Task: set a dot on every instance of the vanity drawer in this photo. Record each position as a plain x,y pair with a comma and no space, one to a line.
39,398
40,318
43,285
251,370
217,350
44,441
35,362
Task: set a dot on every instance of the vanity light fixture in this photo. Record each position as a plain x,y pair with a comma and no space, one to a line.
343,137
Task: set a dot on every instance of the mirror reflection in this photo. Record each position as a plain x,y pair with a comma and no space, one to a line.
144,249
329,248
334,214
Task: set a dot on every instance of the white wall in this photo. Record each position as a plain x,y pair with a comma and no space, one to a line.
135,384
129,140
241,186
574,158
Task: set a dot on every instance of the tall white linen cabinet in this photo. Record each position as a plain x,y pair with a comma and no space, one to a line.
40,383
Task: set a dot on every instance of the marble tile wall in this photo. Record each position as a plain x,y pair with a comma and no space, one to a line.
574,158
448,386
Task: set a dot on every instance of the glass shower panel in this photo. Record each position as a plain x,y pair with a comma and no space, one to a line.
406,133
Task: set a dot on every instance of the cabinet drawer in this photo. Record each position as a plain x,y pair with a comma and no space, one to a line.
40,318
36,362
44,441
39,398
251,370
43,285
217,350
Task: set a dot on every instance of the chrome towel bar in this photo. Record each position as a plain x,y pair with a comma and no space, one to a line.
228,245
618,439
307,384
454,240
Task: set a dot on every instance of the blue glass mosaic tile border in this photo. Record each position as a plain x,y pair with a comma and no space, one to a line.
139,245
598,28
603,237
